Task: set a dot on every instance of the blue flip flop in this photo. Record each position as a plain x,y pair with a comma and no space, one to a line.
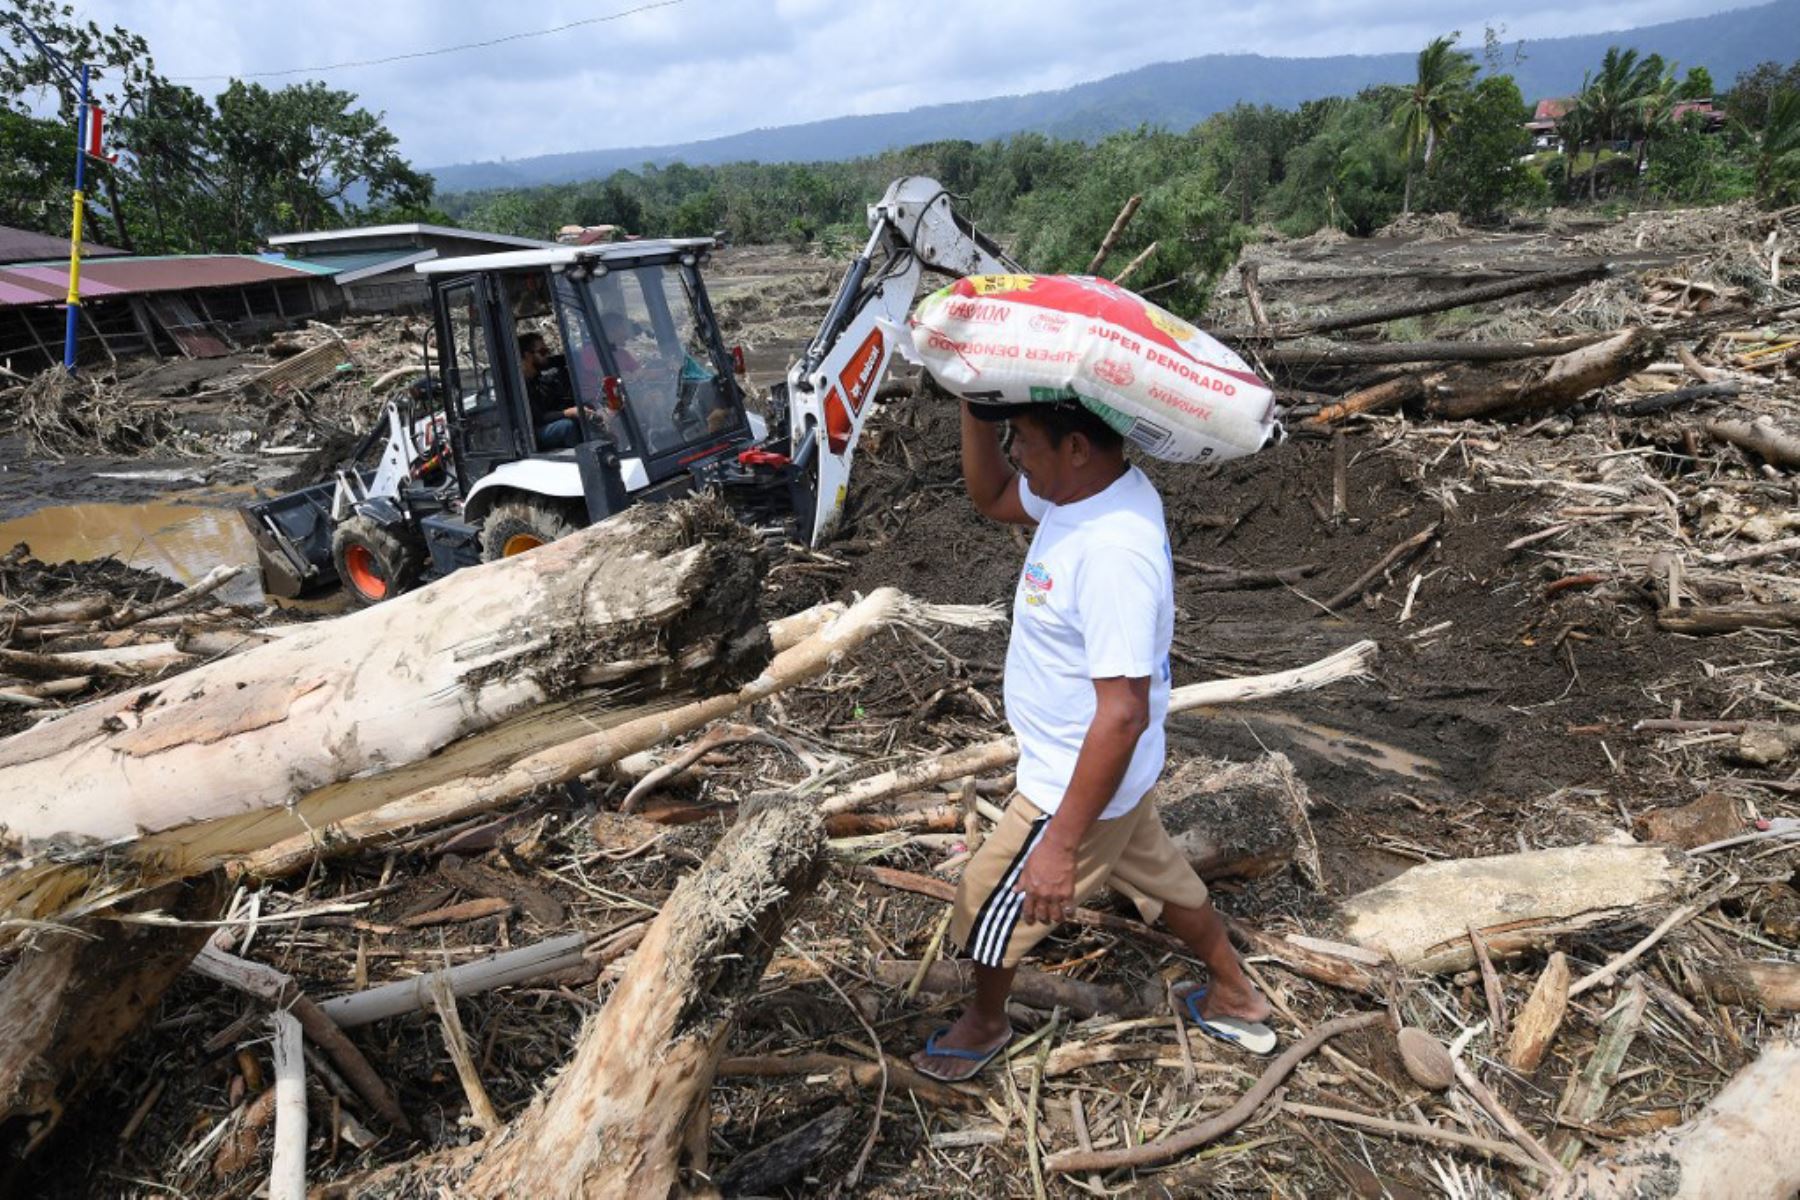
1253,1036
981,1058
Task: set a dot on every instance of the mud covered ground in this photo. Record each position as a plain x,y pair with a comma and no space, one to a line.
1468,723
1499,717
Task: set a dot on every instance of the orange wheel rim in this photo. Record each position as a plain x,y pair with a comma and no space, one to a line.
519,543
364,571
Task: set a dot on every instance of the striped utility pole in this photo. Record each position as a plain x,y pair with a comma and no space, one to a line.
78,81
82,118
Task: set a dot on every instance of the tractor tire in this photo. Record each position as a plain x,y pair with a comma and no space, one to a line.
515,526
375,562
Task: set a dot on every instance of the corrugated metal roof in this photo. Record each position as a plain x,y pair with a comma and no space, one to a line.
348,267
411,229
25,245
131,275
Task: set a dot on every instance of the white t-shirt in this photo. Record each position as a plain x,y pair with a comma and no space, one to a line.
1096,599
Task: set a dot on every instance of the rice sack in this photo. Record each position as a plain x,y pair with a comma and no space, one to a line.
1169,389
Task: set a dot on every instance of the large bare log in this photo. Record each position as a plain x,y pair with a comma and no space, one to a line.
1564,382
1728,618
480,784
1500,289
1744,1144
1760,437
1352,662
1773,987
1369,354
74,996
314,727
628,1117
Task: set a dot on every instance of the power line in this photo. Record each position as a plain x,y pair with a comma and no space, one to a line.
376,62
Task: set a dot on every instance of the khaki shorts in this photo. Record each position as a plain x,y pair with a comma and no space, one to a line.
1133,853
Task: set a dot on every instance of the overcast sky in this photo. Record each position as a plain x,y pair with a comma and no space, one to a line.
702,68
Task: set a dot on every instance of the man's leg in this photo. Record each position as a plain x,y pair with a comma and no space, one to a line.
986,922
1230,994
1154,873
560,434
982,1026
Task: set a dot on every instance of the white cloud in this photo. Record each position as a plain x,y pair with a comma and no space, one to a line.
703,68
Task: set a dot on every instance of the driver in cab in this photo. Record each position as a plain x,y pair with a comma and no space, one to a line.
553,409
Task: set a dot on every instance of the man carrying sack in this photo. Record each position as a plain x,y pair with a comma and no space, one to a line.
1087,691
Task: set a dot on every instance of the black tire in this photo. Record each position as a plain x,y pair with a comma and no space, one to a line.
515,526
375,562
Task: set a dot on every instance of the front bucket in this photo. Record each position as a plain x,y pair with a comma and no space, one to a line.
293,540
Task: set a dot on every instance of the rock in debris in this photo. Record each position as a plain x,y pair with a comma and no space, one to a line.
1711,818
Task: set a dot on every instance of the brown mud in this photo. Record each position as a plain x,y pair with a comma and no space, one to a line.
1498,717
1474,714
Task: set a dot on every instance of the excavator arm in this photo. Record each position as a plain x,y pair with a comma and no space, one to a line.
831,389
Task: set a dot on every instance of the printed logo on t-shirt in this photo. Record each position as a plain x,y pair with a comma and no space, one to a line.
1037,583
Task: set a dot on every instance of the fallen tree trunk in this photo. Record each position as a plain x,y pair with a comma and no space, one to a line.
1567,380
1773,987
1370,354
483,785
1395,393
1444,302
1744,1144
1349,663
1761,438
312,727
1728,618
72,998
629,1117
1421,918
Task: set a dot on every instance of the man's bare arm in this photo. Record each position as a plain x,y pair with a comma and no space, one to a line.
1121,715
991,482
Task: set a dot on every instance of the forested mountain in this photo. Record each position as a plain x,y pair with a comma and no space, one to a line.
1173,95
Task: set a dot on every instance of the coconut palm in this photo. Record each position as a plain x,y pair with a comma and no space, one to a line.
1778,148
1653,111
1430,108
1614,96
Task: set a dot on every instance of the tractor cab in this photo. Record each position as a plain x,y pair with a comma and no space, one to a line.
582,355
561,385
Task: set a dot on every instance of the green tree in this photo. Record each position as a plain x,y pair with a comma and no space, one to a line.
1697,84
292,157
1249,145
1754,91
1612,101
120,72
1695,166
1348,174
1777,150
1653,111
1432,103
1481,169
35,156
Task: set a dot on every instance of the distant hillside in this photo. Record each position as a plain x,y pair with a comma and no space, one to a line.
1173,95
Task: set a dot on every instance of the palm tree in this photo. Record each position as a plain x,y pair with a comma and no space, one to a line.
1653,112
1778,147
1431,106
1613,97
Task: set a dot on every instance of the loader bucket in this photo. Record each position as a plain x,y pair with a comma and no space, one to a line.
293,540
